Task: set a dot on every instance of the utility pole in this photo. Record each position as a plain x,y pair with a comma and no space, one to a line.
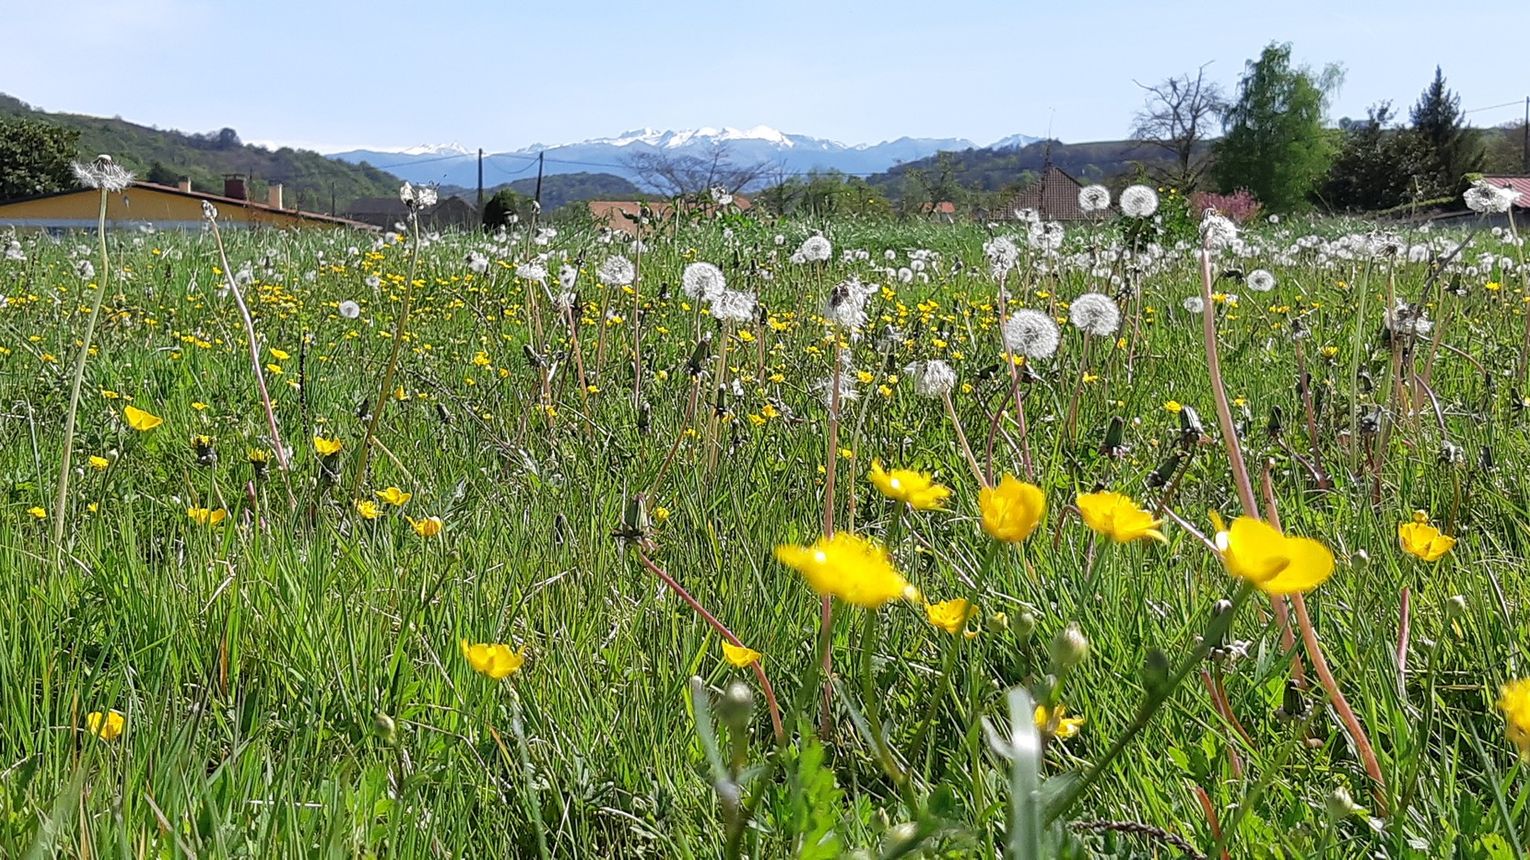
539,179
1527,134
480,181
332,199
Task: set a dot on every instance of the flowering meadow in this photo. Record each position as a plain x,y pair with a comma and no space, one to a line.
1133,537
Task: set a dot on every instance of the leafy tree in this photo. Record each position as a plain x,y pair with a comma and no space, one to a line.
159,174
506,202
1376,164
1451,147
34,157
1275,144
1177,118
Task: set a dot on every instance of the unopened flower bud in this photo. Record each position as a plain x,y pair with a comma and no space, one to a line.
1360,559
1069,647
1455,606
736,705
1025,625
997,622
1341,806
386,728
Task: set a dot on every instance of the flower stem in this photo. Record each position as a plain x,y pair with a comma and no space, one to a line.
400,330
74,391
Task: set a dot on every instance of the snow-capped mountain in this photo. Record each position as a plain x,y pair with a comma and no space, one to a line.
786,153
1014,141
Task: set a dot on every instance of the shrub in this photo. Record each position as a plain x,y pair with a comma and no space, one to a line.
1241,205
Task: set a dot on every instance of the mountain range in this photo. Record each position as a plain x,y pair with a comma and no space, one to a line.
453,164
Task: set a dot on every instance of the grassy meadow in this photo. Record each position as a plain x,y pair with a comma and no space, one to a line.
225,658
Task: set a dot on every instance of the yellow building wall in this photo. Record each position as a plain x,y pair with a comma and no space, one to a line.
162,209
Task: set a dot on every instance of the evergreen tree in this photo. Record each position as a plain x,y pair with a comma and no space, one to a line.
1451,148
1376,165
159,174
1275,144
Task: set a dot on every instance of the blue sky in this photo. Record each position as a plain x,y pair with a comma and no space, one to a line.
503,75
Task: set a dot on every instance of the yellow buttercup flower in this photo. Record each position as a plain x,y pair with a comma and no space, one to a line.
1514,701
848,567
327,447
493,659
279,355
38,513
1056,723
394,496
428,527
950,615
140,420
1422,539
205,517
740,655
368,509
915,489
1118,517
99,463
107,726
1012,510
1276,564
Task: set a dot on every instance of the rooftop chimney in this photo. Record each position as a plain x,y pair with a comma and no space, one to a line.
233,186
274,195
184,184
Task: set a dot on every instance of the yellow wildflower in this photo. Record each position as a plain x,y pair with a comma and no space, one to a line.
107,726
394,496
1173,406
950,615
428,527
740,655
279,355
37,512
1012,510
1422,539
206,517
326,446
140,420
368,509
1276,564
915,489
1056,723
495,660
1514,701
1118,517
848,567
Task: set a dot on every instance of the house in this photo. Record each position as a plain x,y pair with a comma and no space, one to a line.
163,207
1054,197
623,214
448,213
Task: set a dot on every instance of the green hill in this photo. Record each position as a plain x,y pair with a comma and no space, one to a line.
561,189
310,181
999,169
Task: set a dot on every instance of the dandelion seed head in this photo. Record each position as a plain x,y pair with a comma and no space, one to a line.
1094,198
1488,199
1139,201
733,306
815,249
1260,281
1096,314
702,281
933,378
616,271
1031,333
349,309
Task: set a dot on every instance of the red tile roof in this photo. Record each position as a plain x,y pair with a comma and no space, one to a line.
1518,183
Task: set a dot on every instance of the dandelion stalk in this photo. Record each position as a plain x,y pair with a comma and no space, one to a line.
62,498
724,632
826,609
385,385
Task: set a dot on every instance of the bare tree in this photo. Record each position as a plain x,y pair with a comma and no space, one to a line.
1179,116
683,175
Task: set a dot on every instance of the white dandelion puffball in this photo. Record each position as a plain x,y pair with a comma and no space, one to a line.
616,271
1094,198
1096,314
702,281
477,263
846,306
349,309
933,378
567,276
1489,199
1194,304
1139,201
1002,254
1031,333
733,306
103,173
1217,231
85,270
534,272
815,249
1260,281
